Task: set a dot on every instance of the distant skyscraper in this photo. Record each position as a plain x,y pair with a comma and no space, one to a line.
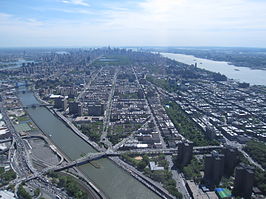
185,151
213,169
244,179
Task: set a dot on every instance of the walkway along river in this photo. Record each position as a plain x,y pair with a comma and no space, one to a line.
113,181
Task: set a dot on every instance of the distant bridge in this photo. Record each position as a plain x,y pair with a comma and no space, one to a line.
33,106
95,156
108,153
36,105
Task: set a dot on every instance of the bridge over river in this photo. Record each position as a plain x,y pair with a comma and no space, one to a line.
95,156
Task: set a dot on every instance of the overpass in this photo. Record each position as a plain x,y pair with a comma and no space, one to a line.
95,156
6,140
108,153
205,149
33,106
37,105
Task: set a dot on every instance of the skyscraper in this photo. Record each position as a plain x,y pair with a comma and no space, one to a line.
60,103
230,159
185,151
213,169
244,179
76,108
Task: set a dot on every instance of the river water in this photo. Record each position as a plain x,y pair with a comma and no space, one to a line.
15,64
242,74
113,181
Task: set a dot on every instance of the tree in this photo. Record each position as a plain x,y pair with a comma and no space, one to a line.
22,193
37,192
141,165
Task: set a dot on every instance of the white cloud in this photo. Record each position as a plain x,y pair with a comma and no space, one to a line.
4,15
76,2
73,10
150,22
192,14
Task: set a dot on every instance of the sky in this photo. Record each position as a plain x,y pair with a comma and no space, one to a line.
80,23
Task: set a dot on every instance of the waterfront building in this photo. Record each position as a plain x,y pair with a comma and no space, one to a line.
60,103
76,108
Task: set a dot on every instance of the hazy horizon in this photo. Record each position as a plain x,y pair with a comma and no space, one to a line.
151,47
152,23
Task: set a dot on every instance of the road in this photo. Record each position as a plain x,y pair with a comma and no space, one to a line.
240,149
233,144
20,160
87,86
108,111
180,185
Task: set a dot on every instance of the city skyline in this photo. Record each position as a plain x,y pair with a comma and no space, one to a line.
50,23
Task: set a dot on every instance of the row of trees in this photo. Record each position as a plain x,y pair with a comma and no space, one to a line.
92,130
186,126
257,151
70,185
192,170
162,176
6,176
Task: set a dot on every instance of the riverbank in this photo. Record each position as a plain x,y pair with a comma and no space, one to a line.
241,74
94,192
75,130
159,190
131,170
108,177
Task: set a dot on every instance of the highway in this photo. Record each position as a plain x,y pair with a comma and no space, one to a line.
20,161
240,149
76,130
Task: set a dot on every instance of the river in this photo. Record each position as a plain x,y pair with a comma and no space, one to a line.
15,64
113,181
242,74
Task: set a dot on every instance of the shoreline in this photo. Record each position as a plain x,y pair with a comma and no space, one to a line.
228,62
95,193
161,192
123,165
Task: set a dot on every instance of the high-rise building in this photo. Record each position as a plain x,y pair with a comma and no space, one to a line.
60,103
76,108
213,169
73,107
80,109
230,159
244,179
95,109
185,151
140,94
